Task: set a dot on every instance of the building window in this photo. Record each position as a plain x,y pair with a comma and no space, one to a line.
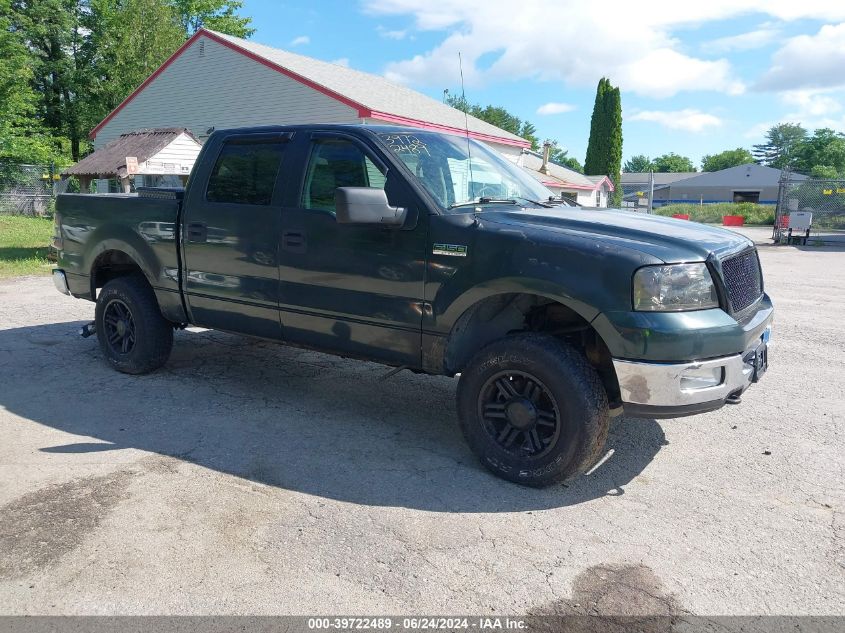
245,173
598,198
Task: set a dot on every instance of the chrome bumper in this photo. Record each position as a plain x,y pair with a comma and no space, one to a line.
676,389
60,281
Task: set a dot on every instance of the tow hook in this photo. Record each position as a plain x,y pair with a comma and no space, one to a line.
89,329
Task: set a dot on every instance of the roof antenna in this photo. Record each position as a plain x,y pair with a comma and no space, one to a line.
466,120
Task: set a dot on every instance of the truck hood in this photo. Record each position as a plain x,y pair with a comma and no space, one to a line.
667,239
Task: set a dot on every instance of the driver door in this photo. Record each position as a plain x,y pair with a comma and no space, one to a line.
351,288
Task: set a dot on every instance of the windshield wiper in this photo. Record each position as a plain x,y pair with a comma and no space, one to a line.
537,202
470,203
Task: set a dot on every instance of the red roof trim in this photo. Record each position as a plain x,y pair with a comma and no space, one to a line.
560,184
93,133
607,180
402,120
363,111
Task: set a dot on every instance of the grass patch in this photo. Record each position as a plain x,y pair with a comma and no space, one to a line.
712,213
24,245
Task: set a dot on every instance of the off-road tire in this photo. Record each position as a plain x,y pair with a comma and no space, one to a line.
570,384
153,334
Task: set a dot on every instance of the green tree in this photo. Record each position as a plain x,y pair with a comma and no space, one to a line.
638,164
124,50
827,172
825,148
498,116
604,149
54,35
217,15
779,149
23,139
726,159
562,157
672,162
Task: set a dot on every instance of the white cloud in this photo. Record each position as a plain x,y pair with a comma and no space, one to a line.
555,108
744,41
302,40
808,61
341,61
689,120
758,130
578,43
816,108
398,34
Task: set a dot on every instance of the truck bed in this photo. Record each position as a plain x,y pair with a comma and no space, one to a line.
143,225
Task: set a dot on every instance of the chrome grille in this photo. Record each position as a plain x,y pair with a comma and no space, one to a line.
742,278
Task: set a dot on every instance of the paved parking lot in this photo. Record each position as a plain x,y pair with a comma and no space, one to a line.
246,477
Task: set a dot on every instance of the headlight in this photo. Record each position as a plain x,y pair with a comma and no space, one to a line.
674,288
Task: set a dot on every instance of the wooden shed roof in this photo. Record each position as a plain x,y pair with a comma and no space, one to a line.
110,160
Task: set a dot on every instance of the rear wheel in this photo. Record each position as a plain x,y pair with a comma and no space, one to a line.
533,409
133,335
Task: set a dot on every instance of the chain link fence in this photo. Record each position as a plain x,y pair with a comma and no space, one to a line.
28,189
825,199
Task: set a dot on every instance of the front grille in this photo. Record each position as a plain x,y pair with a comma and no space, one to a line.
742,279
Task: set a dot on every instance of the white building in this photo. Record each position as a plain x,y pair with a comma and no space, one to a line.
217,81
588,191
151,157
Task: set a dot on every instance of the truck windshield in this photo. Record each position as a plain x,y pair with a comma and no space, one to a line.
458,171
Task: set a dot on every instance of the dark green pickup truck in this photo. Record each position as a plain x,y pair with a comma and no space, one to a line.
431,252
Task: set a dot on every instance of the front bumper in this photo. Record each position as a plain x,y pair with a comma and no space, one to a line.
669,390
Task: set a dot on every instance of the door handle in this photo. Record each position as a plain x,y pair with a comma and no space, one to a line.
197,232
294,241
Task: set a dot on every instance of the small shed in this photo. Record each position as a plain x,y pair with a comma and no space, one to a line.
153,156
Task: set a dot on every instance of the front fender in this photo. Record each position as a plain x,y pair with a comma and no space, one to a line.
447,309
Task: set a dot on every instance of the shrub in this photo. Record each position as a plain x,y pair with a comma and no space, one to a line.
713,213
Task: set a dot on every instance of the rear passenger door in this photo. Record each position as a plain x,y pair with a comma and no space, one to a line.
230,236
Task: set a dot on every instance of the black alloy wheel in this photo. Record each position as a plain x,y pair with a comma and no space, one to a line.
120,327
519,413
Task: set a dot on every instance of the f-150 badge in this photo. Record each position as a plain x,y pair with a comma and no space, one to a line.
453,250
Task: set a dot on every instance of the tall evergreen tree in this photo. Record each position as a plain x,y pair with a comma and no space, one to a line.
614,150
595,160
604,149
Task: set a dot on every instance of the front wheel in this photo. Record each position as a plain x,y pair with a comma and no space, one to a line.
134,337
533,409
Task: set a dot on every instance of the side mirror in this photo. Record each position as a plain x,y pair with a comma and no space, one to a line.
366,205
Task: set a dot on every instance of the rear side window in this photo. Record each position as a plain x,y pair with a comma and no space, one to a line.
337,163
245,173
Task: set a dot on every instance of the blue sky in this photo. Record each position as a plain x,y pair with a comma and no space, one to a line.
695,79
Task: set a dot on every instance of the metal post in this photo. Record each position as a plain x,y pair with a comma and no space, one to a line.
650,191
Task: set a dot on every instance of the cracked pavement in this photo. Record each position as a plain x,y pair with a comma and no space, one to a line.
250,478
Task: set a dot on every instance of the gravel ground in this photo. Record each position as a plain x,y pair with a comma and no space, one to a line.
248,478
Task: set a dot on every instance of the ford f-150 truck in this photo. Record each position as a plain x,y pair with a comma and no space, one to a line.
434,253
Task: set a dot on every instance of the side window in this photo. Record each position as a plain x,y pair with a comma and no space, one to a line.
245,173
337,163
